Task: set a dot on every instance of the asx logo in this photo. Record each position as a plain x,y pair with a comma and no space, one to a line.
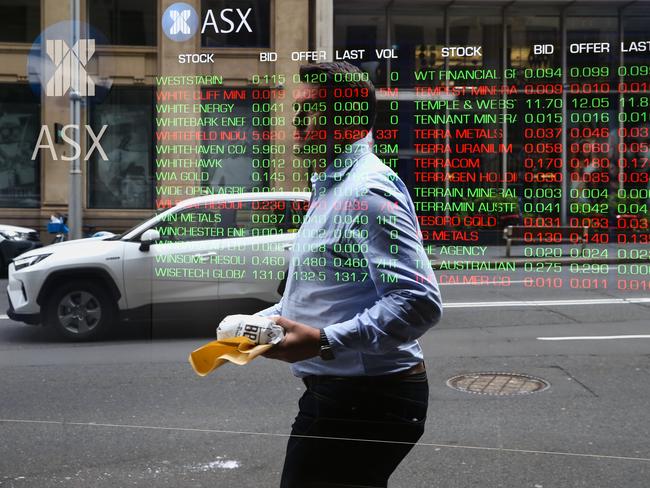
63,61
180,21
70,67
224,15
61,135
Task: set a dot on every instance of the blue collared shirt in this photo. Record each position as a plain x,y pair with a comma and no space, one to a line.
359,270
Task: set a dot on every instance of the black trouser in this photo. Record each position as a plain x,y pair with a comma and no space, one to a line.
358,413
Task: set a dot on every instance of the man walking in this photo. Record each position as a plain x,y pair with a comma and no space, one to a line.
351,326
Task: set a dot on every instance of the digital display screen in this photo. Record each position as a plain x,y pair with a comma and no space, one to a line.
534,142
366,169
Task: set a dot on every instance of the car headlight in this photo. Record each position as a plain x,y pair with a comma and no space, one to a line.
20,263
12,235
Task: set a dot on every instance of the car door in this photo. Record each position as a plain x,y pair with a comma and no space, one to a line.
138,273
262,249
184,282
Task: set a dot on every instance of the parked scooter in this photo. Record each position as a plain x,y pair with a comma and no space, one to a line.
57,225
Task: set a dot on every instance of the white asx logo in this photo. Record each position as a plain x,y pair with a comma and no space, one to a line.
70,71
180,22
49,144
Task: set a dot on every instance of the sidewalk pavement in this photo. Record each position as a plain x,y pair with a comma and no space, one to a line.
471,257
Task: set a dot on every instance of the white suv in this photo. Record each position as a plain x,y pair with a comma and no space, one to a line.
176,265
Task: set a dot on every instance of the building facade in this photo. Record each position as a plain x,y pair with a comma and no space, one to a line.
131,51
402,42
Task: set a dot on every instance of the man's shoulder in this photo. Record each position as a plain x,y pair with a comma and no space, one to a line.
371,178
370,164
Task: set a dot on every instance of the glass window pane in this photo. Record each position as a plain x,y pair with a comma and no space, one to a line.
20,20
633,169
592,30
235,23
536,76
124,180
231,219
365,30
265,217
245,168
591,110
125,22
20,115
416,39
476,28
200,223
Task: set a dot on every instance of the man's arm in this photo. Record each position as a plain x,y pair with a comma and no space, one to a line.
272,310
409,299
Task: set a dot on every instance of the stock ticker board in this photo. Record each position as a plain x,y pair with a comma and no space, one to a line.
553,159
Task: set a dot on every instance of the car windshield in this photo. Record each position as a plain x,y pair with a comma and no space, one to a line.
130,232
137,229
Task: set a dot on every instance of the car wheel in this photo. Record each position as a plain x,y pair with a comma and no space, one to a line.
80,310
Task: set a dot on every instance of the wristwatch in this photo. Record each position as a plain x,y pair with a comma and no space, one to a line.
325,352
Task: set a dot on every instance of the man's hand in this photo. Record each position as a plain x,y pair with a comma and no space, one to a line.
300,341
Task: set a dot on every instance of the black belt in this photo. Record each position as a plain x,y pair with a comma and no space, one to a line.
419,370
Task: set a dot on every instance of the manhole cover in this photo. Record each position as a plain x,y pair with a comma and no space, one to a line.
497,384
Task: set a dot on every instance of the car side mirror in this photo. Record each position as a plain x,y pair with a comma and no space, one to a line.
147,238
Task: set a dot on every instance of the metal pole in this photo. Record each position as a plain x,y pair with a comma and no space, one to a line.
565,173
447,140
504,97
74,199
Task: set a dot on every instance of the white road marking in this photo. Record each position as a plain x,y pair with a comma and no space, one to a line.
594,338
547,303
525,303
273,434
218,464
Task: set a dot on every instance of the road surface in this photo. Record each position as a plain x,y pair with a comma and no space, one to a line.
130,411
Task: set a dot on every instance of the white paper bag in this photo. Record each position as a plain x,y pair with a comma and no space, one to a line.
261,330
